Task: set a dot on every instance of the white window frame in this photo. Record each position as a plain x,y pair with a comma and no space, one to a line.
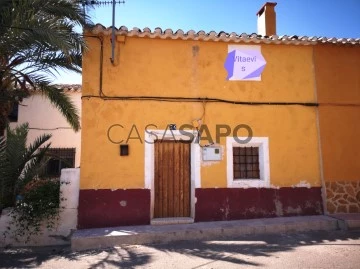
264,164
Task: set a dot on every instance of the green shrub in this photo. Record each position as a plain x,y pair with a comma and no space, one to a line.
37,206
19,164
35,200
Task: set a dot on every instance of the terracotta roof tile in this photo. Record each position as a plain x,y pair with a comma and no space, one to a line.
70,87
64,87
221,36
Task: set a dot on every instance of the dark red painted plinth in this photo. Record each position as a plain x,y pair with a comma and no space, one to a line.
236,203
107,208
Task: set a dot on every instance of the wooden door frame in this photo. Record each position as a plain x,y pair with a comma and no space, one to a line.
195,162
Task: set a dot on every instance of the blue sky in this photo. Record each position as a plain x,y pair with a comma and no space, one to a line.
330,18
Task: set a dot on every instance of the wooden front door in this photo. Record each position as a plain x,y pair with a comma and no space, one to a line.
172,179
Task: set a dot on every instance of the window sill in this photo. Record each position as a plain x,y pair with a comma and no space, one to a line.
249,183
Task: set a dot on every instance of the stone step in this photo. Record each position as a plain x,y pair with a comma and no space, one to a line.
151,234
348,221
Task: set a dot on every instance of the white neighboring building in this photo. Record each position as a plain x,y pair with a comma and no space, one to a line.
43,118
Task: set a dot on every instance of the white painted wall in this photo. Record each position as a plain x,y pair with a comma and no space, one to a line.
70,179
40,113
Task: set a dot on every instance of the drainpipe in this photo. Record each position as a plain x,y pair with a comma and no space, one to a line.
323,185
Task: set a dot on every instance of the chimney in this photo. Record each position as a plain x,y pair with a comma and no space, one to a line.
267,19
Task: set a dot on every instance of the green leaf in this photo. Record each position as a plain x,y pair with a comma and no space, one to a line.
38,38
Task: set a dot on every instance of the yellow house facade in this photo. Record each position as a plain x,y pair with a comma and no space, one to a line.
338,88
167,136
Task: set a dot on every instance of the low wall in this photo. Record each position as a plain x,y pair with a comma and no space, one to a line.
110,208
224,204
343,196
67,222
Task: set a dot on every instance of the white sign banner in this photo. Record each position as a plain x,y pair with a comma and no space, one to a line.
244,62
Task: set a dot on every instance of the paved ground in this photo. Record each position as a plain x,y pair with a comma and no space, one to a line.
335,249
150,234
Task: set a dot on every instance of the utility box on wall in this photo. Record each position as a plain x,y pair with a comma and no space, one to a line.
212,153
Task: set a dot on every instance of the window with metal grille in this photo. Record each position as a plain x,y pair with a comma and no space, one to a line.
246,163
59,158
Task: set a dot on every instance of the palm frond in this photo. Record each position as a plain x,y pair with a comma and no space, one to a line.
12,150
5,179
35,156
38,38
32,151
62,101
19,164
